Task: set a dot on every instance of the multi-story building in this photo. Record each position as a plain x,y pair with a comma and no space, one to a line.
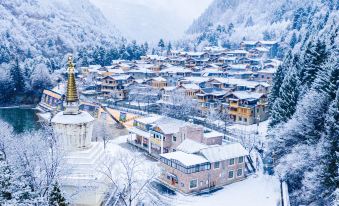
114,86
158,134
196,167
247,107
210,98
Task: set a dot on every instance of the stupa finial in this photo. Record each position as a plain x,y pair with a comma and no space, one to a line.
71,93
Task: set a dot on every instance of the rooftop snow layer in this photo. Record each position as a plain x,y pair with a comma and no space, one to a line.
223,152
185,158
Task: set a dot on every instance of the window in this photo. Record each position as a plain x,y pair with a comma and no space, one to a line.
216,165
174,138
239,172
232,161
245,119
230,174
241,160
193,184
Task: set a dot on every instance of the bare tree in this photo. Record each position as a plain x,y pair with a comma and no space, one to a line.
143,94
248,141
180,106
131,175
103,131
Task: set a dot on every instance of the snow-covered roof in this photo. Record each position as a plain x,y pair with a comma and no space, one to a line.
262,49
139,132
268,71
223,152
249,42
213,91
190,86
196,80
169,125
238,82
247,95
190,146
228,58
141,70
169,88
268,42
174,70
238,66
238,51
212,133
60,89
116,71
82,117
159,79
120,77
150,119
185,158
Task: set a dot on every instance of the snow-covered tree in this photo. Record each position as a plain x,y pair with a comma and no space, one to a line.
55,197
131,177
284,106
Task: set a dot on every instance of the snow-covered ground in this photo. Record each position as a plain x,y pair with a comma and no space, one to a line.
250,129
256,190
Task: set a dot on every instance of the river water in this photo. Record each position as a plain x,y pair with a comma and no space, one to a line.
21,119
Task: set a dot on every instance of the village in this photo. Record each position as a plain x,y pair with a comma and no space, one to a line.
187,110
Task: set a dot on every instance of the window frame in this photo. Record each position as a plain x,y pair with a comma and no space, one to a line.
229,162
228,176
214,165
196,183
242,157
238,172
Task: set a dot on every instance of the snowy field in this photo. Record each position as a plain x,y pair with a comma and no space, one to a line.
256,190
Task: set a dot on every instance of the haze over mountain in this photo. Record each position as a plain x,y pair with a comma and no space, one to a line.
152,19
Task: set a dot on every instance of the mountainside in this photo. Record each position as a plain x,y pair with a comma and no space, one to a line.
33,28
231,21
304,107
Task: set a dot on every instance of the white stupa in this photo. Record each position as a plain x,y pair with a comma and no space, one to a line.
84,178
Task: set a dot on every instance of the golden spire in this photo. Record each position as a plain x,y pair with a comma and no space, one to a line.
72,93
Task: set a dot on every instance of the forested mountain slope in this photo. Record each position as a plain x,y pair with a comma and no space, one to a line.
50,29
228,22
304,107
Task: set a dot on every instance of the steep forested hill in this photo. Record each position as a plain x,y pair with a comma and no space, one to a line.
226,22
50,29
304,107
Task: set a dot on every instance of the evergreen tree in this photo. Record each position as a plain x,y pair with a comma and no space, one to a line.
328,78
284,106
146,47
314,57
56,198
277,81
17,77
249,22
329,174
293,40
161,44
169,47
6,177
